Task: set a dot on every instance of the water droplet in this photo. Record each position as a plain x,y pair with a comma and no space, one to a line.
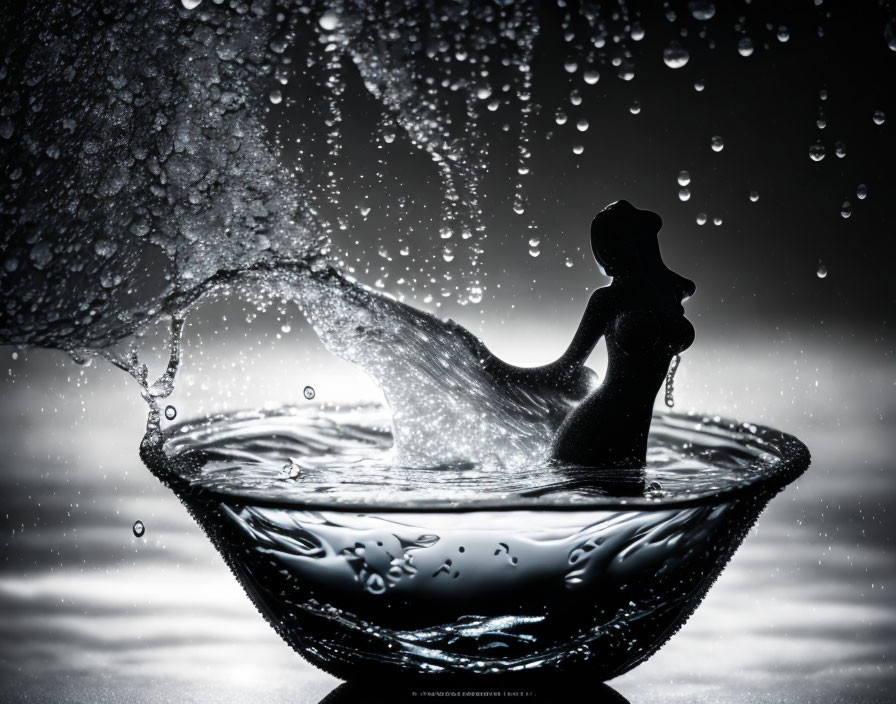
560,117
308,392
635,108
699,86
575,97
675,55
568,263
483,92
718,144
578,149
702,10
816,152
654,488
701,218
823,94
138,527
862,191
637,32
745,46
571,66
275,96
845,209
840,149
717,221
533,252
534,241
670,380
684,194
191,4
684,178
475,294
329,21
170,412
591,77
783,34
878,117
822,270
582,125
388,137
890,35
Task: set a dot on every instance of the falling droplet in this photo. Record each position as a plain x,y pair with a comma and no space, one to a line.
754,196
878,117
702,10
718,144
840,150
560,117
684,194
309,392
275,96
569,263
717,221
783,34
635,108
675,55
701,218
745,46
578,149
846,209
170,412
822,270
862,191
138,527
591,77
582,125
191,4
684,178
533,252
329,21
699,86
816,152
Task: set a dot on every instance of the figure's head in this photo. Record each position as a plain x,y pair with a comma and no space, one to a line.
623,238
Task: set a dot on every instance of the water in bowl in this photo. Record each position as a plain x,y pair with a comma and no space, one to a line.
365,566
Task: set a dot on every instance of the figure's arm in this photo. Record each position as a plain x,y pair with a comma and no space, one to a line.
591,329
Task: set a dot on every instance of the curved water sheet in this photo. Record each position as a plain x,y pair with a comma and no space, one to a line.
364,566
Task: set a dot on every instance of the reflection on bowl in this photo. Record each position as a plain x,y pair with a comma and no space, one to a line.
514,589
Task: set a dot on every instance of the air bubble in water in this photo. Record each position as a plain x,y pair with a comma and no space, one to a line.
684,194
329,21
675,55
308,392
745,46
138,527
846,209
862,191
701,218
170,412
702,10
635,108
822,270
878,117
840,150
754,196
684,178
816,152
718,144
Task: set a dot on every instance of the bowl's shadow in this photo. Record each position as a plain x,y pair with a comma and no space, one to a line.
548,689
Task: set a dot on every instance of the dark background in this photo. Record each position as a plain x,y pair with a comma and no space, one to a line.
804,613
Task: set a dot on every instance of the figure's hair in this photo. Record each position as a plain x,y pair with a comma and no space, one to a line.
622,235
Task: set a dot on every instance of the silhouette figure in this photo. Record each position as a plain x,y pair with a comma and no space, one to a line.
641,316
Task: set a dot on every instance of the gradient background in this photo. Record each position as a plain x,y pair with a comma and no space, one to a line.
804,612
